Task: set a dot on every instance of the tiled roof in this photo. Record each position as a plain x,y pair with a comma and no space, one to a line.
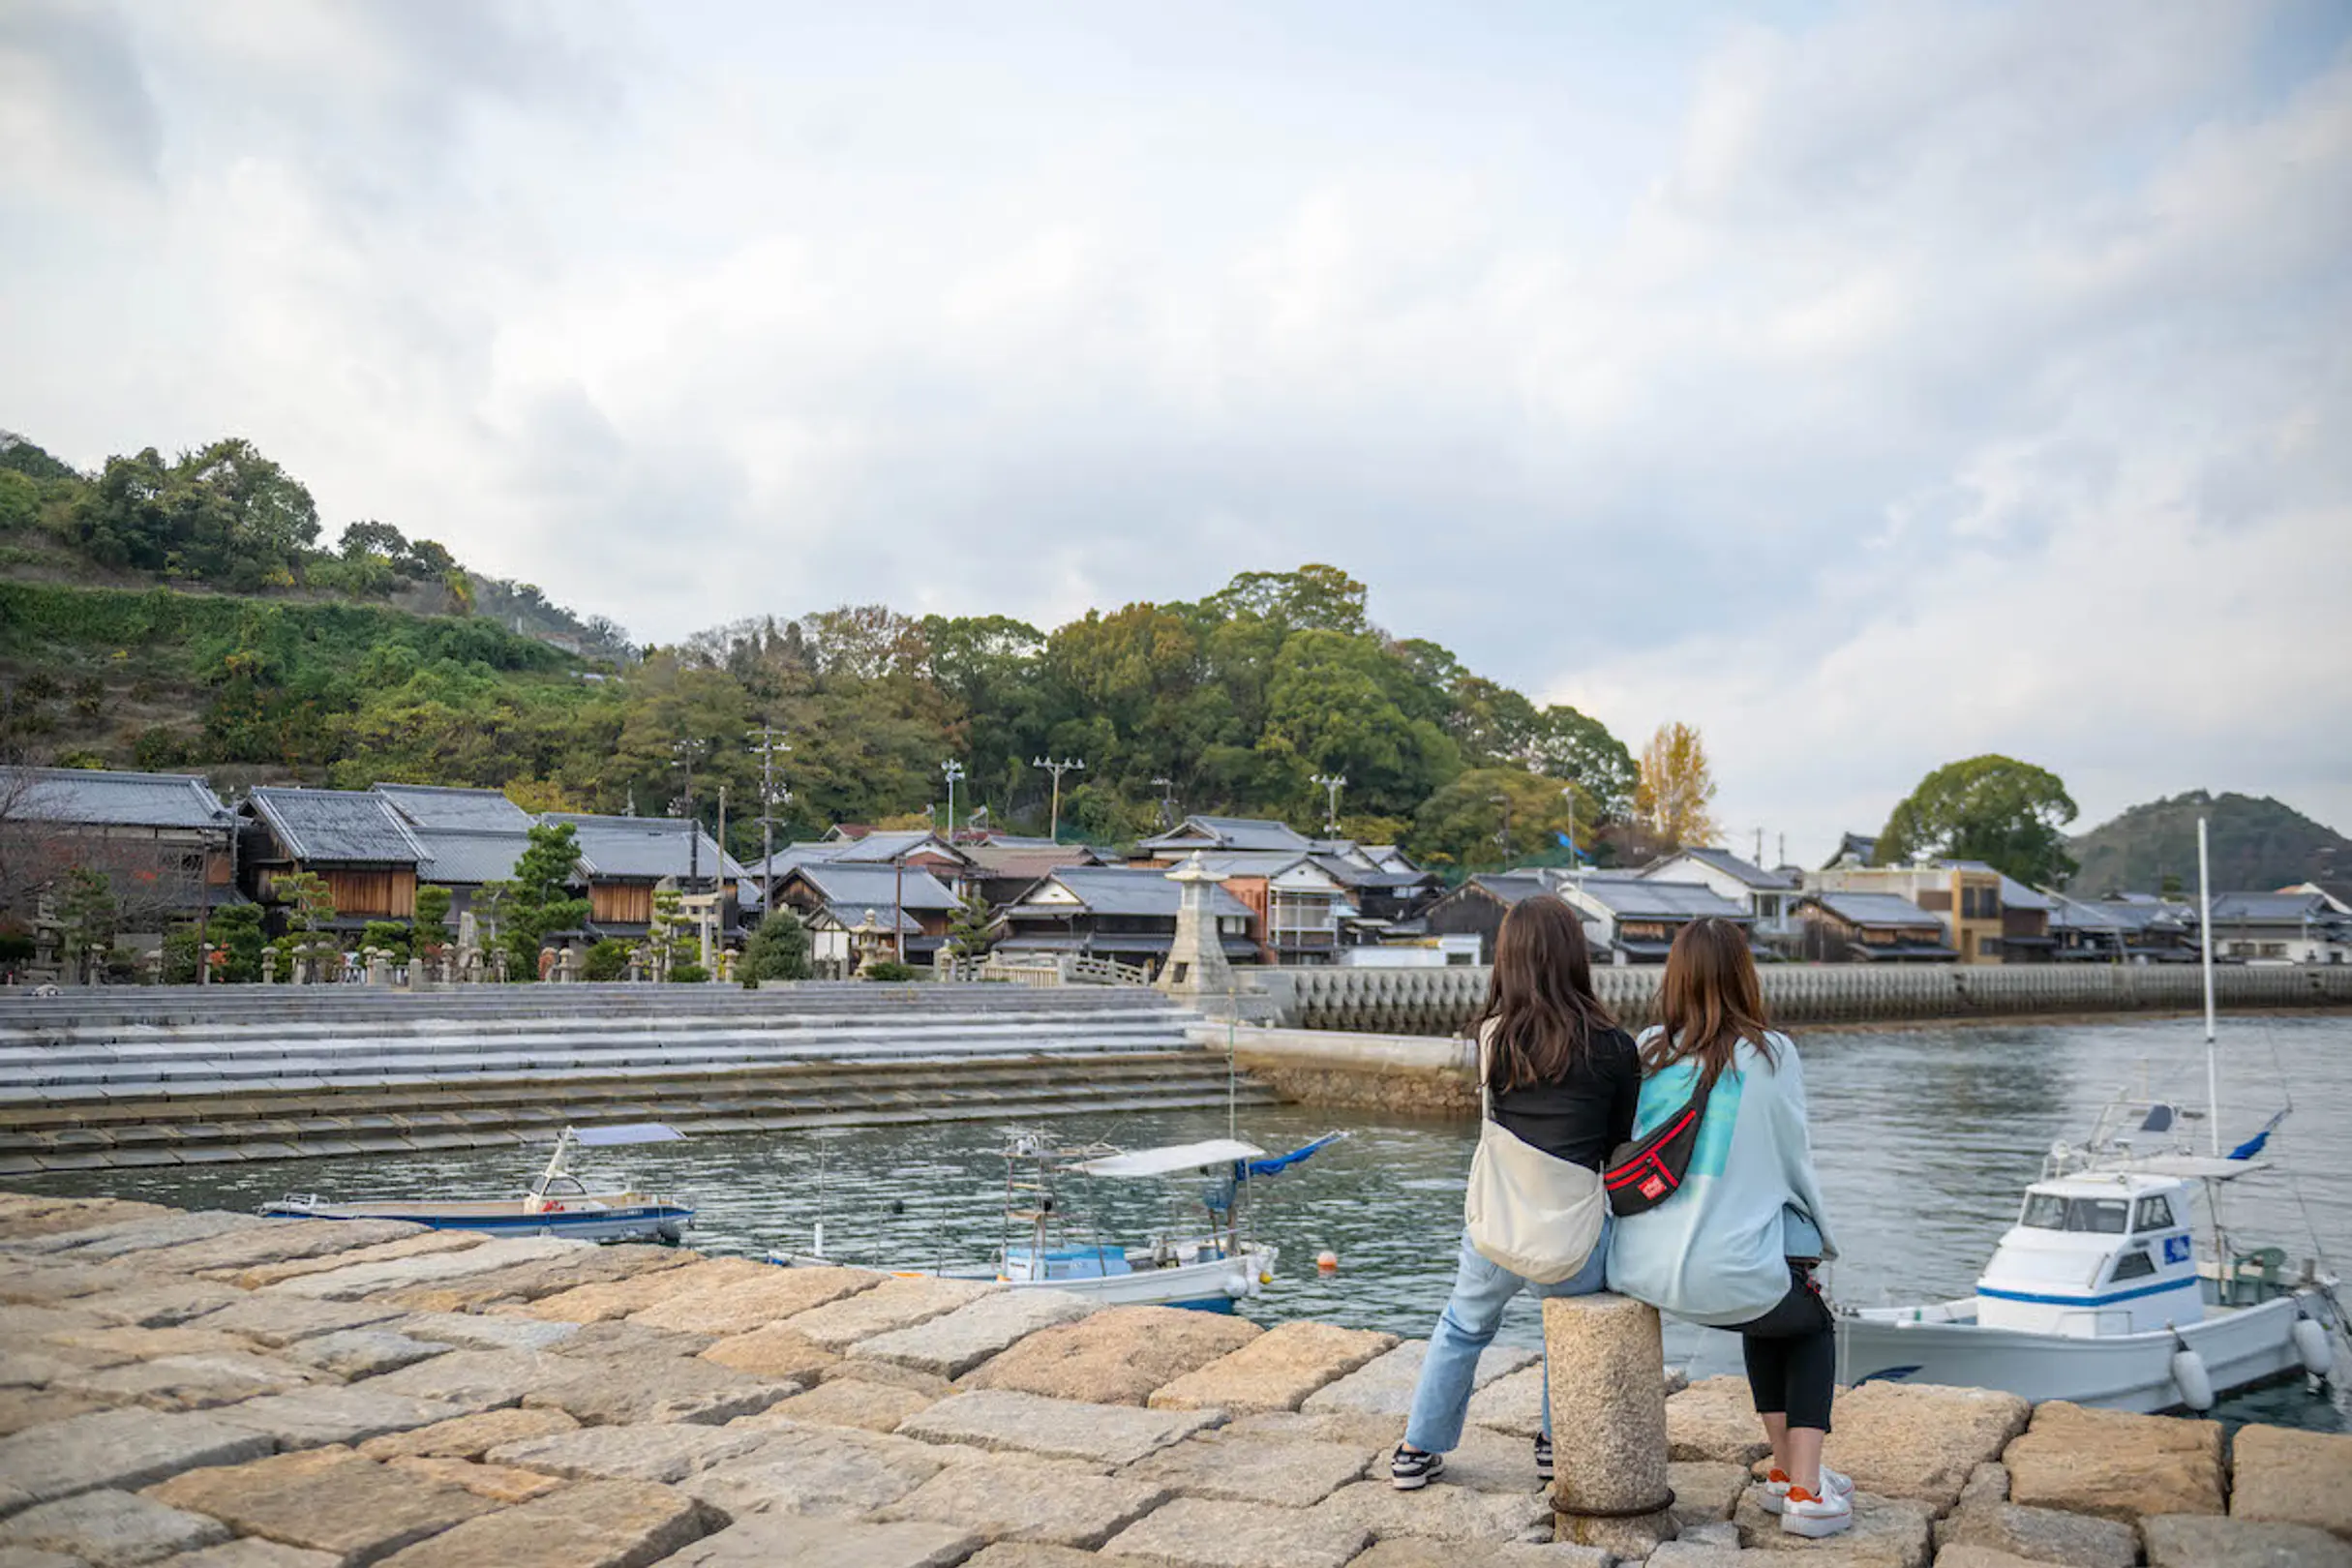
2272,906
1510,887
1030,859
470,858
1118,889
884,847
1230,833
1658,901
338,827
882,885
643,848
1875,908
89,797
435,806
1747,872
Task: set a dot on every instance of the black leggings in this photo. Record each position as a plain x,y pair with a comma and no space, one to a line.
1792,1354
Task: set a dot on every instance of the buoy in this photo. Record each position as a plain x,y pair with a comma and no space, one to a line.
1327,1262
2312,1344
2190,1376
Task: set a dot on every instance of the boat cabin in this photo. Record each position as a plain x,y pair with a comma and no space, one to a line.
2097,1253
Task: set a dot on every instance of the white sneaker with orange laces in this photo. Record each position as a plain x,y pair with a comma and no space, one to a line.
1776,1488
1802,1513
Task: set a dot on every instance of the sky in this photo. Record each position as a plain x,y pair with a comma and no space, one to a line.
1870,386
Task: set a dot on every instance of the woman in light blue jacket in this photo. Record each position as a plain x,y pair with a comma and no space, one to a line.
1735,1246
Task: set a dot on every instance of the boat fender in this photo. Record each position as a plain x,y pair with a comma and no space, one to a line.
2190,1376
1237,1286
2312,1344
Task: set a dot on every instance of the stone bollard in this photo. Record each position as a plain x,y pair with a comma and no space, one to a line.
379,966
1606,1357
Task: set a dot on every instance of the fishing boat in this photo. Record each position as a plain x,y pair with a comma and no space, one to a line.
2100,1294
1208,1265
556,1204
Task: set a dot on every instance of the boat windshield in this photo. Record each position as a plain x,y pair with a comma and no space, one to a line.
2047,1210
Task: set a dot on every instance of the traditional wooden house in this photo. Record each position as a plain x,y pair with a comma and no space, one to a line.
1635,920
472,836
1478,905
1003,867
1964,896
1386,892
2279,928
1125,913
832,898
1766,897
1222,835
1873,927
164,843
624,861
355,842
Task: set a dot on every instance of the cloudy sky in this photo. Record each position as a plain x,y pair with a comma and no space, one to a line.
1871,386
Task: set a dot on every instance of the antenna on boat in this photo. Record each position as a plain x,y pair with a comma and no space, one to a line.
2205,929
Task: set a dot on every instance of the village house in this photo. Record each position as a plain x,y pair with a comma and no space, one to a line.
1635,920
833,898
1476,909
624,861
1117,912
355,842
1221,834
1386,892
1873,927
2279,928
1963,895
2139,928
1003,866
1767,897
164,843
472,837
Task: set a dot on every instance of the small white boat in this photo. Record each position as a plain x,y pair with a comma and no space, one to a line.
2099,1295
556,1204
1209,1269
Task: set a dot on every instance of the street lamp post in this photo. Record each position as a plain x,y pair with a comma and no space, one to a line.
1067,765
1167,802
952,771
1333,784
686,750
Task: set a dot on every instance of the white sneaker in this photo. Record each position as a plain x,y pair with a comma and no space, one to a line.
1776,1488
1803,1514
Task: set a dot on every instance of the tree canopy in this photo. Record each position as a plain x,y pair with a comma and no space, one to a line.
2006,813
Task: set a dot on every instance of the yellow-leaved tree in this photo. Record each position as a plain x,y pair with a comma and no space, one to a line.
1678,789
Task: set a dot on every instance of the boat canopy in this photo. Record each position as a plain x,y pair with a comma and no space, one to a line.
1167,1161
605,1137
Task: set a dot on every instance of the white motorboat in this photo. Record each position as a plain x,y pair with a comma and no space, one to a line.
2099,1293
556,1204
1210,1268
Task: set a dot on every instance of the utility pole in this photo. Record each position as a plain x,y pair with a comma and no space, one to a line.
1167,802
1568,794
1503,837
765,741
1067,765
1759,846
952,771
686,751
1333,784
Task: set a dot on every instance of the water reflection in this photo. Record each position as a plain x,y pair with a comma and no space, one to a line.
1924,1139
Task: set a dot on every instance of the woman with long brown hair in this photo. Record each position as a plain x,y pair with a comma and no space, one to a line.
1735,1244
1558,1080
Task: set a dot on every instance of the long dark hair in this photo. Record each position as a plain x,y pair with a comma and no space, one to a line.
1540,998
1708,1002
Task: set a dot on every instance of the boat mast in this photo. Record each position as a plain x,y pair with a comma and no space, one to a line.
2205,929
555,1163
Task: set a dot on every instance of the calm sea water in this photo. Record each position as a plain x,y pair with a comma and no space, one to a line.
1924,1139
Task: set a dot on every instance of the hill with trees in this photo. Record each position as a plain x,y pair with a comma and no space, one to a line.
181,612
2256,843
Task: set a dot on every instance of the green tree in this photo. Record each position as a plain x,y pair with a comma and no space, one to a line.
1462,825
310,903
431,928
606,960
969,928
1992,809
778,949
180,954
537,900
236,931
391,935
87,918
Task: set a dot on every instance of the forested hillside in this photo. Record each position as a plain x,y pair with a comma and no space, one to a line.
180,614
2256,843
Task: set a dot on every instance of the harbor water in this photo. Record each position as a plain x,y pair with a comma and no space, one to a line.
1924,1137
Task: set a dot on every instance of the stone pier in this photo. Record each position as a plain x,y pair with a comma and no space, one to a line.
212,1390
1607,1358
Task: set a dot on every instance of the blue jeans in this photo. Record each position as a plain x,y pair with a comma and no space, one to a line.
1467,1327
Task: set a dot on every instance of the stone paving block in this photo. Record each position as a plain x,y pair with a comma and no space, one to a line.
279,1241
1714,1419
172,1227
59,1369
1032,1555
110,1530
1986,1483
1117,1356
1483,1460
1385,1384
1274,1372
618,1336
481,1331
29,1283
1194,1533
123,1449
779,1540
816,1470
275,1321
1705,1491
124,1343
1921,1441
738,1304
1446,1512
549,1277
252,1552
595,1524
23,1407
849,1402
890,1374
1888,1532
1694,1554
482,1378
1015,1497
388,1276
334,1502
953,1344
675,1388
423,1244
1106,1435
894,1304
2293,1477
30,1216
2042,1534
669,1452
36,1558
618,1298
1227,1466
469,1436
322,1417
1426,1552
2116,1466
364,1353
2202,1541
158,1304
1375,1434
496,1482
30,1323
192,1382
773,1351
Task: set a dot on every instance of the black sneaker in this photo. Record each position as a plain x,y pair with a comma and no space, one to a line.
1410,1470
1542,1459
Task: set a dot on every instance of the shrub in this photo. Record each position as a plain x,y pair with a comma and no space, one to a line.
688,975
607,960
886,970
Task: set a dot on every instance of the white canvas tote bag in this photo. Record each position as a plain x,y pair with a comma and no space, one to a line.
1532,1213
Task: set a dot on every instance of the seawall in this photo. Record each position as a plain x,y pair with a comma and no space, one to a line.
211,1390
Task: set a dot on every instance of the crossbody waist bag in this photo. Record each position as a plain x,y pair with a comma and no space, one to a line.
1646,1172
1530,1212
